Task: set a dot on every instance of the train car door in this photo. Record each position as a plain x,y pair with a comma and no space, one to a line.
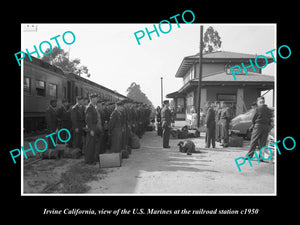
70,92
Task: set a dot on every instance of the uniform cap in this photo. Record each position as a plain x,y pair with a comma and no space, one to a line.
79,97
260,98
93,95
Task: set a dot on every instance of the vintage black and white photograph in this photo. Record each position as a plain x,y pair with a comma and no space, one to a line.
171,108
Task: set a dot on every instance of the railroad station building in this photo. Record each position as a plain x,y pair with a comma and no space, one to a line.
218,83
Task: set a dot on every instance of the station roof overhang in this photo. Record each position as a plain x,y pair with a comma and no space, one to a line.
255,80
219,57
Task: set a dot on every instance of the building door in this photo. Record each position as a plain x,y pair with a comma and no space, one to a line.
230,100
70,92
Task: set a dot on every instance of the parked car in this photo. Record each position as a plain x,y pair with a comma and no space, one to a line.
240,124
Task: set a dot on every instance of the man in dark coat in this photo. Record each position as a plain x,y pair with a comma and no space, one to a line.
225,117
77,127
91,119
115,129
261,123
166,119
64,119
217,119
99,142
158,121
210,126
51,120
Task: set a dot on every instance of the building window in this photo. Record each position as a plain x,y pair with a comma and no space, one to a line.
76,91
40,87
53,90
189,102
235,69
230,100
27,85
180,105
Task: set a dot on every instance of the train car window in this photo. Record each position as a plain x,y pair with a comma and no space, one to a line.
53,90
64,92
27,85
40,87
76,91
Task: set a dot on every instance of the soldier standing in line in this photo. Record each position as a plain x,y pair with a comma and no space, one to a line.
77,126
123,121
166,118
225,117
51,120
115,129
261,123
139,120
217,119
99,133
91,118
64,120
83,123
105,119
210,126
134,118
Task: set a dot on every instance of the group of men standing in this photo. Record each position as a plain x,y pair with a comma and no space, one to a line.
218,117
217,121
98,126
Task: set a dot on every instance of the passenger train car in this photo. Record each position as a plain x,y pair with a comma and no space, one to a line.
43,82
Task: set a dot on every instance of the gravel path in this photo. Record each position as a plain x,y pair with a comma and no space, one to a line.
154,170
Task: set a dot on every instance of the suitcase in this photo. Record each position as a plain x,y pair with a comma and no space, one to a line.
109,160
235,141
134,142
53,154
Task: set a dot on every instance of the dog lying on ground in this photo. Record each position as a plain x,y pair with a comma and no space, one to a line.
187,147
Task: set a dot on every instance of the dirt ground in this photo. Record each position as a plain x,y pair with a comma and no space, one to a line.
154,170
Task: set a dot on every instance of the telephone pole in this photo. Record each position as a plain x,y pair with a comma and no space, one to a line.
200,76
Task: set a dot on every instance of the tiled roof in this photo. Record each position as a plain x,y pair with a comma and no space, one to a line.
251,77
225,55
218,56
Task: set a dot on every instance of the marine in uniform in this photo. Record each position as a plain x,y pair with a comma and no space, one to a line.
225,117
105,119
91,118
83,107
166,119
64,119
217,119
261,123
51,120
77,126
99,133
210,126
115,129
158,121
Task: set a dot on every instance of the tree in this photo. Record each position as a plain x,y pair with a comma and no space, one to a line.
134,92
60,58
211,40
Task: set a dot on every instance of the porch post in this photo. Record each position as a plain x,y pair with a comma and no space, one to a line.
240,101
203,97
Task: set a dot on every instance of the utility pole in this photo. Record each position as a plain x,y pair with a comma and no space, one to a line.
161,91
200,75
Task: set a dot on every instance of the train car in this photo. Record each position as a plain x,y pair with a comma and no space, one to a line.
43,82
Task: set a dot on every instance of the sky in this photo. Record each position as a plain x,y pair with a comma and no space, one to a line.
115,60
